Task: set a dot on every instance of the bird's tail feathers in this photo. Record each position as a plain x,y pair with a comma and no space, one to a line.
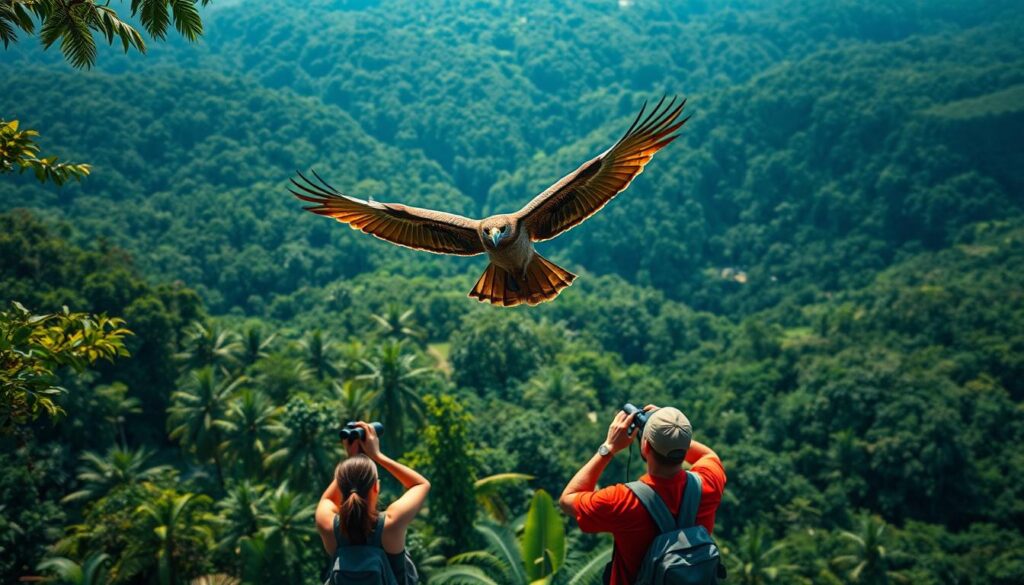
542,282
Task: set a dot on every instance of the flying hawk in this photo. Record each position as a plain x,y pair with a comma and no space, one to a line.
517,273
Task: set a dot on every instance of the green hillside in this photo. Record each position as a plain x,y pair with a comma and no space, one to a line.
825,272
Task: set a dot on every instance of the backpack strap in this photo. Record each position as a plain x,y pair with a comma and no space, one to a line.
691,501
378,532
653,503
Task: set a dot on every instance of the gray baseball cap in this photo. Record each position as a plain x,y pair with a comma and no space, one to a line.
669,433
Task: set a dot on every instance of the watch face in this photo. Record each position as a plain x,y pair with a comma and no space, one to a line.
603,450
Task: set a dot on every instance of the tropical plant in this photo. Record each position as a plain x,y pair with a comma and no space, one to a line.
255,346
318,355
118,406
209,347
869,561
445,452
198,414
398,324
558,385
18,151
239,514
304,453
352,359
34,347
250,427
753,560
75,22
64,571
100,475
279,376
393,376
286,525
488,491
176,528
537,555
354,400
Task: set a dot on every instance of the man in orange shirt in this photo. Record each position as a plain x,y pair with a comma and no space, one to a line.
666,442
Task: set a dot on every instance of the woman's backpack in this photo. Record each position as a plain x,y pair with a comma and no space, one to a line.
684,553
366,564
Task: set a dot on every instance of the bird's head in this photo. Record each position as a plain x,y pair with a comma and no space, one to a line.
496,230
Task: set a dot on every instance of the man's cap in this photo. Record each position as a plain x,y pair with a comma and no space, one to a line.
669,433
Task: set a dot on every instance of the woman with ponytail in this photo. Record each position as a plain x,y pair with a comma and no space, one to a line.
348,507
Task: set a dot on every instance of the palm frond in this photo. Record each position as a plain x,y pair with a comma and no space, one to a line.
461,575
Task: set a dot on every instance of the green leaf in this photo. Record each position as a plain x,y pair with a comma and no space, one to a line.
153,16
543,539
186,19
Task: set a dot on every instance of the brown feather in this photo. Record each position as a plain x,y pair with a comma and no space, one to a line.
586,190
412,227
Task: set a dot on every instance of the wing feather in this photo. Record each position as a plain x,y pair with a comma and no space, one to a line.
586,190
412,227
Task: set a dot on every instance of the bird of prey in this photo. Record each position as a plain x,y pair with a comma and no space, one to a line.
517,273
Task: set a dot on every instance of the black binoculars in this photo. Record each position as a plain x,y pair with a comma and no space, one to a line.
639,420
352,432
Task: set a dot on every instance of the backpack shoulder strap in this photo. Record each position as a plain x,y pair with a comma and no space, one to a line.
378,532
691,501
339,538
654,505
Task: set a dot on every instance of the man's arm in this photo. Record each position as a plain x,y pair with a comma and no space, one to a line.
586,478
698,451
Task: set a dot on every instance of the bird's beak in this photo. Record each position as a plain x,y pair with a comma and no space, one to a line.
495,234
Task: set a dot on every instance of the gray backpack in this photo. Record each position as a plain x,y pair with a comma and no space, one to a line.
366,564
684,553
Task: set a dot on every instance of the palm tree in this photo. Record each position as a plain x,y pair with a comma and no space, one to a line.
303,454
252,424
121,466
118,406
352,362
279,376
209,347
869,561
393,377
488,493
319,350
558,385
239,514
254,345
398,324
196,415
354,400
286,525
92,571
752,559
173,526
538,554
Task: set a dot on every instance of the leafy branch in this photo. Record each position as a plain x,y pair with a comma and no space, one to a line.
74,23
19,150
34,347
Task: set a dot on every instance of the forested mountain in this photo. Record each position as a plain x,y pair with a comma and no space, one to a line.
825,272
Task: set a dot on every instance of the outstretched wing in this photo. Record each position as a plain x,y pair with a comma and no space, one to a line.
586,190
412,227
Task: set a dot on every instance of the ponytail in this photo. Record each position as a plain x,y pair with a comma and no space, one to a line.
356,477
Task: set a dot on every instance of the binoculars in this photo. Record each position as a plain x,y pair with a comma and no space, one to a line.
352,432
639,420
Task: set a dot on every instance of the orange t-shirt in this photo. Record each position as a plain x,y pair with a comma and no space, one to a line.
617,510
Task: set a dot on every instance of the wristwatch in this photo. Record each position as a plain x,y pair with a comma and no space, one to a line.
604,450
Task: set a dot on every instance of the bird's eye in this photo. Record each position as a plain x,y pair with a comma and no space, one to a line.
504,228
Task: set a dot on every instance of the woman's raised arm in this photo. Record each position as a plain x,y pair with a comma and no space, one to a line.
403,510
